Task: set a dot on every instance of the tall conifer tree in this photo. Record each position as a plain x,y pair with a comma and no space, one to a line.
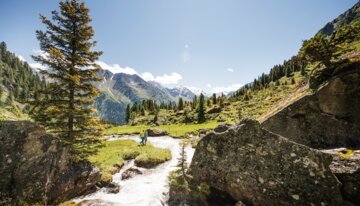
128,114
67,110
180,104
201,112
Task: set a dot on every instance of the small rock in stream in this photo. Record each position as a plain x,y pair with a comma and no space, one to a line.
131,172
113,188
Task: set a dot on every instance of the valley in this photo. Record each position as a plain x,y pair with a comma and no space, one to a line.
75,134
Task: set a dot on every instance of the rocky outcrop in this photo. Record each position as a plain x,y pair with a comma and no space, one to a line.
330,117
36,168
155,132
222,127
258,167
346,167
182,196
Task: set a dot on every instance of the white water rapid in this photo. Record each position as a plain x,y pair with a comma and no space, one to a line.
148,189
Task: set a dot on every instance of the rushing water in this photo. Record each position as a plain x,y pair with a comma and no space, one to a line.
147,189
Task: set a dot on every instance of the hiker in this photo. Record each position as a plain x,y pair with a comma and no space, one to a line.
142,137
145,136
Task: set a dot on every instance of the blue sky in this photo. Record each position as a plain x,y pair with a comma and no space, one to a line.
208,44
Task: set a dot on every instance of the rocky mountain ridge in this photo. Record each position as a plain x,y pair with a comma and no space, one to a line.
119,89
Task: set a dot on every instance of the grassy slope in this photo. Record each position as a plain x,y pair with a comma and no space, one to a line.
176,130
117,151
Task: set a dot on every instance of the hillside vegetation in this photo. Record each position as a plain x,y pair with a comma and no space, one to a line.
18,83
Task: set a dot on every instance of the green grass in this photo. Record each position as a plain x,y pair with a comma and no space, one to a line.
117,151
180,130
126,129
176,130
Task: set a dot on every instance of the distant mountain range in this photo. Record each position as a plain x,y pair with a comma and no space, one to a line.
176,92
118,90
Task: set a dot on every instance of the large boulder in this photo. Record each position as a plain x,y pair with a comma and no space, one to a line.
37,169
346,167
330,117
258,167
155,132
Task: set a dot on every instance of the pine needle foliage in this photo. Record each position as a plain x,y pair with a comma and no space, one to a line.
182,165
201,112
66,47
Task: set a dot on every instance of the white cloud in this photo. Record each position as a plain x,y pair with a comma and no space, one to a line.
21,58
41,53
164,79
230,69
147,76
37,66
226,89
209,85
185,57
116,68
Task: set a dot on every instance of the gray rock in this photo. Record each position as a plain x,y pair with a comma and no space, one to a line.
203,131
36,168
347,169
154,132
113,188
328,118
222,127
258,167
132,172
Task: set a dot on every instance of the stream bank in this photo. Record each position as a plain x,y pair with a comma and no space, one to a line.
150,188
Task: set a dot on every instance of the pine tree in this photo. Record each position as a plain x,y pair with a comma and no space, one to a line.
247,96
221,102
127,113
182,164
208,102
293,80
201,112
156,117
277,83
135,108
194,103
214,99
67,112
303,72
180,104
